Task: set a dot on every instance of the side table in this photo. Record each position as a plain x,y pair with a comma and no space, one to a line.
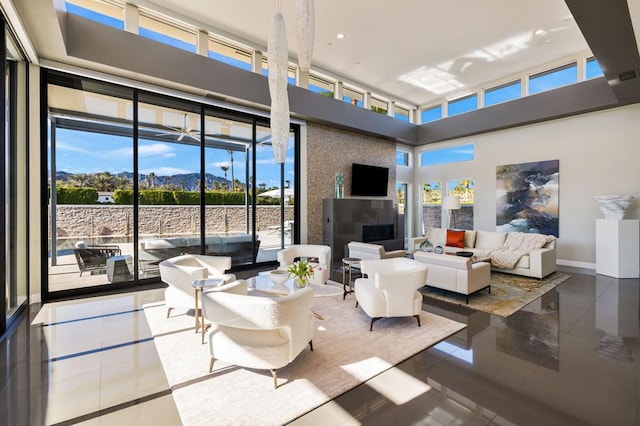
199,287
348,263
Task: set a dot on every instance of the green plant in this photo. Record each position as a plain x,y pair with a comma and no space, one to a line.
302,270
68,195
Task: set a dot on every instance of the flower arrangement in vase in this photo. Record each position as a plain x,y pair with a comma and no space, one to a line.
302,270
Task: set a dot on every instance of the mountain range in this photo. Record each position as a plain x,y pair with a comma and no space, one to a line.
188,181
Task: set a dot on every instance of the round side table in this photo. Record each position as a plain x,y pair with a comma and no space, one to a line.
199,287
348,263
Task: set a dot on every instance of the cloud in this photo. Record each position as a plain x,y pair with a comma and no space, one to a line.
156,149
72,148
272,161
166,171
161,150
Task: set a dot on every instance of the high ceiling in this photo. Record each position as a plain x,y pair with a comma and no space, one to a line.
448,47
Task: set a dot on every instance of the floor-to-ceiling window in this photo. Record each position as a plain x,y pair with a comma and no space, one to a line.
136,177
90,161
13,180
402,197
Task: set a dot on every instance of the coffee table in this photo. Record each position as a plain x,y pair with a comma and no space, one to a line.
481,257
263,284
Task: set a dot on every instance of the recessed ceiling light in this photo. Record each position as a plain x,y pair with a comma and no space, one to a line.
340,36
547,41
540,32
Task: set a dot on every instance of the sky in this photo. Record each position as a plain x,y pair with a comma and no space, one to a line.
114,154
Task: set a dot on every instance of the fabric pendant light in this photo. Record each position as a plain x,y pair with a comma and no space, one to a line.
305,32
278,60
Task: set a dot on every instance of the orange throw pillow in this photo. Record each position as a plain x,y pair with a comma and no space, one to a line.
455,238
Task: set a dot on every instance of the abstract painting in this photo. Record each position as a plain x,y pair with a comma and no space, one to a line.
527,197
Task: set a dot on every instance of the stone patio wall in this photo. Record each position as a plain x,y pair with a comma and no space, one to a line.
105,220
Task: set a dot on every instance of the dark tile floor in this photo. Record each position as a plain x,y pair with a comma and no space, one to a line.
571,357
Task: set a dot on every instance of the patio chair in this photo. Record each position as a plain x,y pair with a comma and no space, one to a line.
94,257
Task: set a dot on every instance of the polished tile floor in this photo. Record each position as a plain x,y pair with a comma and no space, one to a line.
569,358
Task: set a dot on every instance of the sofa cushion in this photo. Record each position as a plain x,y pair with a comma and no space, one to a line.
437,236
162,243
489,239
455,238
469,238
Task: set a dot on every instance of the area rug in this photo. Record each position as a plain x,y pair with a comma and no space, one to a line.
509,293
345,354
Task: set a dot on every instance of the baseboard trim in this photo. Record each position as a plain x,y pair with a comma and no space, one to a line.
576,264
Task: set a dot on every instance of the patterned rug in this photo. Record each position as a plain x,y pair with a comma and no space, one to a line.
509,293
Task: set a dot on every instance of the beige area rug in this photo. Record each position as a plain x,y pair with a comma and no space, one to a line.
509,293
345,354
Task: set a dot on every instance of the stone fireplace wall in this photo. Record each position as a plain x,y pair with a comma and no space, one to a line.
330,151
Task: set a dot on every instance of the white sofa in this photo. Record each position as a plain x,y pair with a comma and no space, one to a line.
455,273
181,271
538,263
390,289
258,332
321,270
368,251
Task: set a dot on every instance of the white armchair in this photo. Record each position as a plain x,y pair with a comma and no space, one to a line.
390,289
181,271
322,253
258,332
367,251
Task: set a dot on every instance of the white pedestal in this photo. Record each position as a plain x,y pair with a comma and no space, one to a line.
618,248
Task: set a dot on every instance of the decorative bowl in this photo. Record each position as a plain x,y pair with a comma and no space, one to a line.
279,276
464,253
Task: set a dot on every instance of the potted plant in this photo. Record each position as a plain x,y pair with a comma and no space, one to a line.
302,270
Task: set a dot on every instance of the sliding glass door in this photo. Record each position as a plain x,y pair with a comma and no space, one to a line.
136,177
13,181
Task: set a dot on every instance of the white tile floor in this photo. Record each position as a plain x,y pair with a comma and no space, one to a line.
103,364
92,362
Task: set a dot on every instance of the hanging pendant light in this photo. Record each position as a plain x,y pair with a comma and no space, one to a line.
278,60
305,32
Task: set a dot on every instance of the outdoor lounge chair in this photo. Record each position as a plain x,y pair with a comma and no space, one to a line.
94,257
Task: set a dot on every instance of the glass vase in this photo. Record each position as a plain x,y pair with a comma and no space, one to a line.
301,282
339,186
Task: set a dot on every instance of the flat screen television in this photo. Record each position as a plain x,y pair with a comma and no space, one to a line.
369,181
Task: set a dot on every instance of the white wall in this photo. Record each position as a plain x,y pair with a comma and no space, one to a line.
599,153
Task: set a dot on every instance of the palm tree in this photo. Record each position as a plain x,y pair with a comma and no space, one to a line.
233,181
80,180
151,180
167,180
104,181
122,182
224,168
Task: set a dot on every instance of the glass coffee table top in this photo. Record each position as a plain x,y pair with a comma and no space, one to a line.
263,284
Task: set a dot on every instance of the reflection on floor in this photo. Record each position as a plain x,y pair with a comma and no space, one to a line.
571,357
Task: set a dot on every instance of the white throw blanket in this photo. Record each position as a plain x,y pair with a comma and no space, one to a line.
517,245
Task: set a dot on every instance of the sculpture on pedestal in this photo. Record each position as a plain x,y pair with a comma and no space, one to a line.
614,206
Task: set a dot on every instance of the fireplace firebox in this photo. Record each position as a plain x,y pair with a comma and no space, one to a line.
379,232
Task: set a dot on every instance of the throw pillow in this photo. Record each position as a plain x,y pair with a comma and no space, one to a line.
455,238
